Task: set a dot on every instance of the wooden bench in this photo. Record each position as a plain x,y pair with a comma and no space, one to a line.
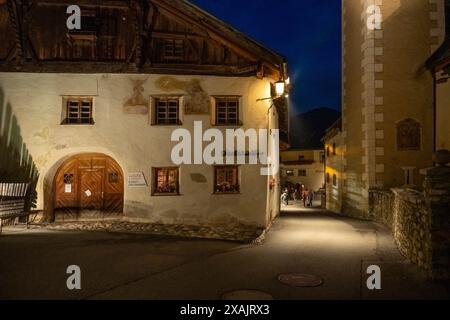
13,202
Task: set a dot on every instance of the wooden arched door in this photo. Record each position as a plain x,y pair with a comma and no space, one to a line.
89,186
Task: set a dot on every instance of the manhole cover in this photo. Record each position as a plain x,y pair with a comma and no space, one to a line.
300,280
247,295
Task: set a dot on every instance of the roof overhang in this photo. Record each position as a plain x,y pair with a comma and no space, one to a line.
272,64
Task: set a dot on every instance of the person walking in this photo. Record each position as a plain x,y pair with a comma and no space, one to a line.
310,198
285,197
305,197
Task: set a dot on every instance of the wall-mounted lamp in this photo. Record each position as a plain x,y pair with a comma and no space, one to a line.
280,88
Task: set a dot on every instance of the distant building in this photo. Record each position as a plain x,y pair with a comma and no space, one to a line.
334,164
303,167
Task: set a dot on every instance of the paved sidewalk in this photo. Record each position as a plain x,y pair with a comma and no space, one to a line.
312,241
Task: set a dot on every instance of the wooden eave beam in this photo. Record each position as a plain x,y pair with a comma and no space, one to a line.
86,3
175,35
123,66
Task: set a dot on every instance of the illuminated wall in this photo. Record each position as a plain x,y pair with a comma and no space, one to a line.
384,83
306,167
37,101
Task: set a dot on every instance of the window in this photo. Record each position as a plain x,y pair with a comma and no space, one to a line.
227,111
89,27
68,178
322,157
290,173
302,173
68,182
78,111
328,152
334,149
409,175
408,135
226,180
166,181
113,177
173,49
328,177
167,111
334,180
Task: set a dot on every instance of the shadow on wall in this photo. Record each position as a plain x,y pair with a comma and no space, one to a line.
16,163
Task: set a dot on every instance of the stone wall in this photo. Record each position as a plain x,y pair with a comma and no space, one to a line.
411,226
405,212
419,220
437,196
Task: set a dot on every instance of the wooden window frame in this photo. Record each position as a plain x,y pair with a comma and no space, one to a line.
237,186
155,181
83,34
156,121
177,53
227,99
75,117
412,124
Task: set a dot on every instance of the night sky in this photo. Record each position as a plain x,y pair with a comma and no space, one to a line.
306,32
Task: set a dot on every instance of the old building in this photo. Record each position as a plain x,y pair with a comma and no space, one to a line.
302,167
93,110
394,118
439,65
387,110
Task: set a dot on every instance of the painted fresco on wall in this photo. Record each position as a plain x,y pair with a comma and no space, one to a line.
137,103
197,100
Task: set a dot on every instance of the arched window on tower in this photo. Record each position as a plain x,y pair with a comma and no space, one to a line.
408,135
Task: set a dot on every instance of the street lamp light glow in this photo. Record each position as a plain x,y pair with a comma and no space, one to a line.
280,87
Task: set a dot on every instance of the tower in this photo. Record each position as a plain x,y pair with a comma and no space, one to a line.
387,107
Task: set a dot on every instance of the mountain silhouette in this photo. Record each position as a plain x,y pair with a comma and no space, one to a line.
307,129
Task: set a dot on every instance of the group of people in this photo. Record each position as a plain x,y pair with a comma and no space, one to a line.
299,192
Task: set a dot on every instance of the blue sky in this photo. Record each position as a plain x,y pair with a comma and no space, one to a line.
306,32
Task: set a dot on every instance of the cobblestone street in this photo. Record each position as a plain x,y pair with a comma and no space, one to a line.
238,233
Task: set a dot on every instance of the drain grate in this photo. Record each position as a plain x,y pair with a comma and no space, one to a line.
248,295
300,280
